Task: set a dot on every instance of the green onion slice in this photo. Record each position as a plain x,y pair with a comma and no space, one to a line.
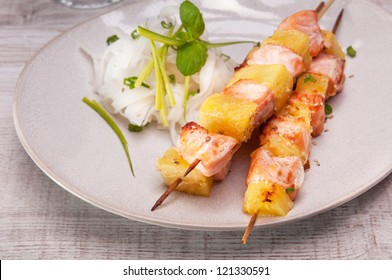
289,190
112,39
135,128
328,109
166,25
351,51
131,82
310,78
135,34
97,108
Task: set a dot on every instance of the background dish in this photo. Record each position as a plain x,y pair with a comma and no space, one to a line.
74,147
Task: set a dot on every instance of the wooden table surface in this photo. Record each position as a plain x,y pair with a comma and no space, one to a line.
40,220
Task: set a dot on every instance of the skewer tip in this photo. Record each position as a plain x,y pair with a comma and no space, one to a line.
325,8
249,227
166,193
174,185
320,6
337,22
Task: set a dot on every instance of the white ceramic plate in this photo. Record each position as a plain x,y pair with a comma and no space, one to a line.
77,149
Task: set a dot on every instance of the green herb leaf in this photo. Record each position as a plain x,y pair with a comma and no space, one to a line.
130,82
309,78
112,39
97,108
351,52
192,19
327,109
289,190
135,34
183,36
166,25
191,57
134,128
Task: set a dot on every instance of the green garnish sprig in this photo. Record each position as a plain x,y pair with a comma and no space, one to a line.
97,108
192,53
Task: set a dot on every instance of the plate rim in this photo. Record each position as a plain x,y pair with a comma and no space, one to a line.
155,221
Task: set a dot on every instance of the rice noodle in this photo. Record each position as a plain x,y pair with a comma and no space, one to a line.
127,57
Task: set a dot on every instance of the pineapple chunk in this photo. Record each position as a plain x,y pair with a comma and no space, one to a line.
280,146
228,115
314,84
275,77
295,40
299,110
173,166
331,44
266,199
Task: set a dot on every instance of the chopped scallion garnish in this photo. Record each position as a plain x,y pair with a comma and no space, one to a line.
112,39
172,78
131,81
135,34
328,109
135,128
225,57
351,51
97,108
166,25
289,190
309,78
193,93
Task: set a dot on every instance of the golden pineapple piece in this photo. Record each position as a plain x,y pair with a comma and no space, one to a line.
280,146
298,110
275,76
331,44
228,115
314,84
266,199
293,39
173,166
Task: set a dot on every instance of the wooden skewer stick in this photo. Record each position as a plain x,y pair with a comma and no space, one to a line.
337,22
174,185
336,25
320,6
192,166
249,227
325,8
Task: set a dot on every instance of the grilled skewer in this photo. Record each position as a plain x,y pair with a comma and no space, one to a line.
259,87
327,72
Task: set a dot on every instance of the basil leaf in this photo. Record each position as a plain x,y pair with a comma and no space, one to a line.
191,57
183,36
192,19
